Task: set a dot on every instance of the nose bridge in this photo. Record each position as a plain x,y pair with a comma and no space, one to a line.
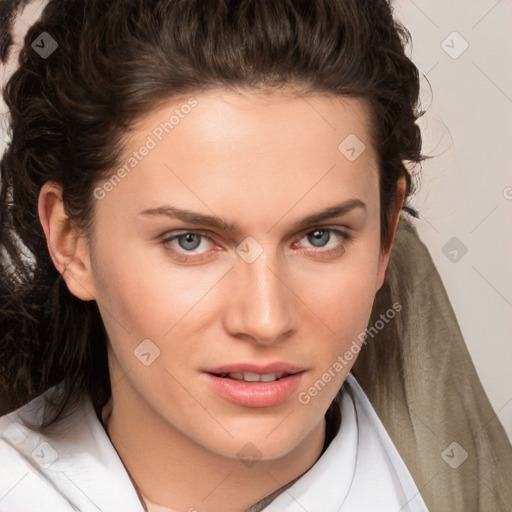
262,307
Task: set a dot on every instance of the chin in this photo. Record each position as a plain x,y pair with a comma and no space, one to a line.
271,441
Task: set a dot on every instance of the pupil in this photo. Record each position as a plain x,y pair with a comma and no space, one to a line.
318,238
189,241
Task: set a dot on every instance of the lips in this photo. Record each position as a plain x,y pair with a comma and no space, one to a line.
254,385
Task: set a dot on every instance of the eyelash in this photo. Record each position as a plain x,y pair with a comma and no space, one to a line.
182,256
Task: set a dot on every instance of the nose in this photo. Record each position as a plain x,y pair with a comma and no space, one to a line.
262,305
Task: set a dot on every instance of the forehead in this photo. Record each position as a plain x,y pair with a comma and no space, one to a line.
258,113
275,148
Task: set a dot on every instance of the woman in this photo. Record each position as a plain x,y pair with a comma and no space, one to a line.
210,192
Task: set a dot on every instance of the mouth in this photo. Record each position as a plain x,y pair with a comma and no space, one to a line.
255,386
253,377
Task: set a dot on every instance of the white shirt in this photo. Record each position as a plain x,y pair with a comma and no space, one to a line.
77,467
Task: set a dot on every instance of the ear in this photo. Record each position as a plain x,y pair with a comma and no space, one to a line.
384,258
68,249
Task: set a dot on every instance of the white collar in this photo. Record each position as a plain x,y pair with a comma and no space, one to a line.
75,468
360,470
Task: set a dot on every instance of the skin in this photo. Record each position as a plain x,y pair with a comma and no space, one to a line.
263,162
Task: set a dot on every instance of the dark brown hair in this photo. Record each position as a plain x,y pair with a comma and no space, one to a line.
116,61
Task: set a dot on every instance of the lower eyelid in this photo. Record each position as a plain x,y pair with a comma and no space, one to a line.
185,257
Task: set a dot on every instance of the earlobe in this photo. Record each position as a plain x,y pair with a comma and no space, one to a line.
68,249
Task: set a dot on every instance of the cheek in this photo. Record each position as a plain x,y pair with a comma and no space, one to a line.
141,295
342,306
129,295
345,309
343,295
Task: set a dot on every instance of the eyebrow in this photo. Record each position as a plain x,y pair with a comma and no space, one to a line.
223,225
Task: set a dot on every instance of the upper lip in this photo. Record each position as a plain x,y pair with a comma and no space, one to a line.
256,368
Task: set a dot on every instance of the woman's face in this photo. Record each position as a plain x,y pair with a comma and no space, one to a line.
243,240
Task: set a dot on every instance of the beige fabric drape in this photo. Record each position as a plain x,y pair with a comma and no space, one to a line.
420,378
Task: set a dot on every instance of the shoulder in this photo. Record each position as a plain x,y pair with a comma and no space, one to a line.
72,466
26,457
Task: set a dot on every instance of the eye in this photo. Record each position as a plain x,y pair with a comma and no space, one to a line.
319,237
188,243
322,242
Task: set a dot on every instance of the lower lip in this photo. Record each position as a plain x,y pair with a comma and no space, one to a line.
255,394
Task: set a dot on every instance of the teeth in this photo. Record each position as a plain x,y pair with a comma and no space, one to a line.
256,377
251,377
